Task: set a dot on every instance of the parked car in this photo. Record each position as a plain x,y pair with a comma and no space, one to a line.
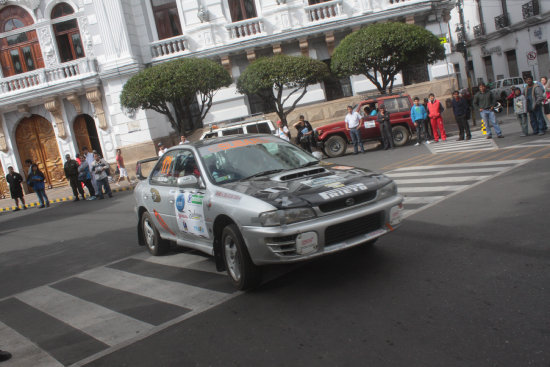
503,87
334,138
252,200
262,126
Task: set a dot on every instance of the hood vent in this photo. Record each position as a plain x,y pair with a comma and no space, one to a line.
273,190
295,175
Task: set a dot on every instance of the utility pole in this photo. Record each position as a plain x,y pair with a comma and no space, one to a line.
459,4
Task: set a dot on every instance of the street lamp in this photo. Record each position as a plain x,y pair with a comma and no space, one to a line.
461,46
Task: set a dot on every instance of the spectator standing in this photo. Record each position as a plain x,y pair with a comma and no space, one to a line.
122,168
534,94
434,112
183,140
419,116
14,179
71,173
520,109
89,156
99,168
282,131
461,111
383,119
162,149
546,102
37,180
85,177
428,124
485,101
305,133
353,124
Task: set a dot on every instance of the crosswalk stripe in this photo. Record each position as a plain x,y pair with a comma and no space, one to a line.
438,179
477,164
99,322
404,190
393,174
476,143
422,199
24,352
179,294
185,260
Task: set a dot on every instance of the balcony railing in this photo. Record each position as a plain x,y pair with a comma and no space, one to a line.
530,9
41,78
326,10
168,47
501,21
479,30
245,28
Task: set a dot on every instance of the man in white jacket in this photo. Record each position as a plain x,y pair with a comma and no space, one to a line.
99,169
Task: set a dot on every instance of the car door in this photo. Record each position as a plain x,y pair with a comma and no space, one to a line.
188,204
369,129
160,196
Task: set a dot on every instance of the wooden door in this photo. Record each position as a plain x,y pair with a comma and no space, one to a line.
36,140
4,187
81,133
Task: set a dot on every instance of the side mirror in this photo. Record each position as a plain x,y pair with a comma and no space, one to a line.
189,181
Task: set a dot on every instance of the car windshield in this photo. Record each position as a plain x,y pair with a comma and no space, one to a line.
247,158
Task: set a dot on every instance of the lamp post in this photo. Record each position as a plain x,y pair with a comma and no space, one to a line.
459,4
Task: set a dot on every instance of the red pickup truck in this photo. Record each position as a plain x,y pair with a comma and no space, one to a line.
334,138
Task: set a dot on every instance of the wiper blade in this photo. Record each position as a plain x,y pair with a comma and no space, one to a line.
264,173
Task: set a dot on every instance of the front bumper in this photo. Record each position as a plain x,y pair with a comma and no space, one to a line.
269,245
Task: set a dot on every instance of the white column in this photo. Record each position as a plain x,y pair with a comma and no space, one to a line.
113,28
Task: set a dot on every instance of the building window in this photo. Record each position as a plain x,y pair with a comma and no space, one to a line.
167,18
413,74
19,53
335,87
489,69
512,60
67,34
242,9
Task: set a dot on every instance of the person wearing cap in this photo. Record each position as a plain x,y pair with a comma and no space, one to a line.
383,119
162,149
282,131
71,173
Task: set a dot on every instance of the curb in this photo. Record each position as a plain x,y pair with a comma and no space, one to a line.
68,198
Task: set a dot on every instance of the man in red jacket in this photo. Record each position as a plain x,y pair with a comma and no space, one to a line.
434,112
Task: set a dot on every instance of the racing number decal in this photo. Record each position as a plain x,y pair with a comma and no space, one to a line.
165,169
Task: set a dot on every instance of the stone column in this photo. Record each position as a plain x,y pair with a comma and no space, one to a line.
304,47
409,19
226,63
251,55
54,107
277,50
112,25
329,39
94,96
3,143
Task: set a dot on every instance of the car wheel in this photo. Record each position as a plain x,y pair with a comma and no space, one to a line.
156,245
400,135
335,146
242,271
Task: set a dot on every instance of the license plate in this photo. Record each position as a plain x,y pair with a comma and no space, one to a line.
306,243
370,124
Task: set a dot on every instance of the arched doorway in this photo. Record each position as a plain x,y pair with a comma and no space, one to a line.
86,134
36,140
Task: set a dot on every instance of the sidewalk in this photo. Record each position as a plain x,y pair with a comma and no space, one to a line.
56,195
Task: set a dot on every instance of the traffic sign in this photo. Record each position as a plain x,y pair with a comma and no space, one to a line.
531,55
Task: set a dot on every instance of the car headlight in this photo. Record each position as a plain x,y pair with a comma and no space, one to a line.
287,216
387,191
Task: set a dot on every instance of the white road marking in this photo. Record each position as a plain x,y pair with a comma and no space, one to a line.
438,179
97,321
396,173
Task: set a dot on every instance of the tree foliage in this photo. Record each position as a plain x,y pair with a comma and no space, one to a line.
268,77
380,51
174,86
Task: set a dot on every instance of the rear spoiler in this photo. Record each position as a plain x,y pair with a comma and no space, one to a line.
138,166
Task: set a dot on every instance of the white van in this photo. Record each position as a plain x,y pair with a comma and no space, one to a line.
503,87
243,127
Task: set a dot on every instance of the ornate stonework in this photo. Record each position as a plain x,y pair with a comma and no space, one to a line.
33,4
329,39
86,36
94,96
304,46
47,46
54,107
226,63
75,101
3,143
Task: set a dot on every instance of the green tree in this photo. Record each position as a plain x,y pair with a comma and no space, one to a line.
171,88
269,77
380,51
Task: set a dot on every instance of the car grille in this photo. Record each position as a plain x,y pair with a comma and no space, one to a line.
353,228
341,203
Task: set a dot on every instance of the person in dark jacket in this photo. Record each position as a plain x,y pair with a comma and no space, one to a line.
85,176
485,101
14,179
430,135
461,111
37,181
71,172
305,133
383,119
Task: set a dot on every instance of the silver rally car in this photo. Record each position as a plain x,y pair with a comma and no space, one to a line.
251,200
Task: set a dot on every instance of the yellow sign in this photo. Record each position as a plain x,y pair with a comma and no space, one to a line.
483,128
443,40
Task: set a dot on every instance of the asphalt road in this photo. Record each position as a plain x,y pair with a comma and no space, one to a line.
463,282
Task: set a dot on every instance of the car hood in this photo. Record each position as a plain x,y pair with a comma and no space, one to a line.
312,186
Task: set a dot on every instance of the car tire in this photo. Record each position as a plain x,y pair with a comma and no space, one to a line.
240,268
335,146
400,135
154,243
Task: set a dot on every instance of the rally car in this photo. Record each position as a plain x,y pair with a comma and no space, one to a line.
251,200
